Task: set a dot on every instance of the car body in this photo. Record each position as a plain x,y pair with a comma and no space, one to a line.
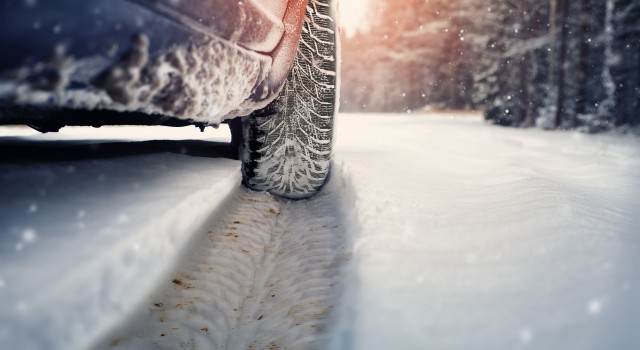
199,62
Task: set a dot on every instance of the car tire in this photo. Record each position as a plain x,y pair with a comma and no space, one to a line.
287,146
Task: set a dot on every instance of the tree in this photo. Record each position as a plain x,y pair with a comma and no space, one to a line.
514,62
545,63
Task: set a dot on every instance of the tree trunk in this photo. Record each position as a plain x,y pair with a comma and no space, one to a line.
562,54
606,107
523,100
583,67
553,17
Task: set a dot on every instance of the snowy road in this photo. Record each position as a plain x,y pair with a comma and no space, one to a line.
265,276
108,243
480,237
454,235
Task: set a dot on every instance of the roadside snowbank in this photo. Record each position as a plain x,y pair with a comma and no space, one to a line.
83,241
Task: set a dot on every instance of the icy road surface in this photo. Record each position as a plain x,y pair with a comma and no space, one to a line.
434,232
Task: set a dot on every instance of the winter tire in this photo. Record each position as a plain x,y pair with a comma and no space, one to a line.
288,144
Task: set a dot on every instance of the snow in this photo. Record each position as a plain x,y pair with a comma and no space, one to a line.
435,231
82,241
176,83
265,275
480,237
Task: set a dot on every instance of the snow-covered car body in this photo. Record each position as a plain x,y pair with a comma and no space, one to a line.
171,62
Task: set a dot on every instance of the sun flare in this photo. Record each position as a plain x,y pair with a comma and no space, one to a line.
353,14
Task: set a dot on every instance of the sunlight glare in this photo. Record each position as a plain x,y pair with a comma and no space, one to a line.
353,15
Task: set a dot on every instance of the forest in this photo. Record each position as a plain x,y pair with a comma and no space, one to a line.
552,64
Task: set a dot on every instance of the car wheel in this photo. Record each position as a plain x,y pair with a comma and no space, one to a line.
287,146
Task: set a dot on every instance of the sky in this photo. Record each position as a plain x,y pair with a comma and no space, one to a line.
352,14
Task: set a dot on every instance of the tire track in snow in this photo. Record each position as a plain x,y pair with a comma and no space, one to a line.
266,276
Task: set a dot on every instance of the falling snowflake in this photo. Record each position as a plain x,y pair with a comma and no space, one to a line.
29,235
526,335
594,307
33,208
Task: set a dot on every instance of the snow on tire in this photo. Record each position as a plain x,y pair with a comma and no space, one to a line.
288,144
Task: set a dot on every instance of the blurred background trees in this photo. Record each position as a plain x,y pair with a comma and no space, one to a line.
545,63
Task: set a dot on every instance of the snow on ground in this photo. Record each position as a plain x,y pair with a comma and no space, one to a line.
266,275
465,236
84,237
137,245
480,237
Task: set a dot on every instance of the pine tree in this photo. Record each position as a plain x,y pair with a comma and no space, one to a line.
514,63
546,63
